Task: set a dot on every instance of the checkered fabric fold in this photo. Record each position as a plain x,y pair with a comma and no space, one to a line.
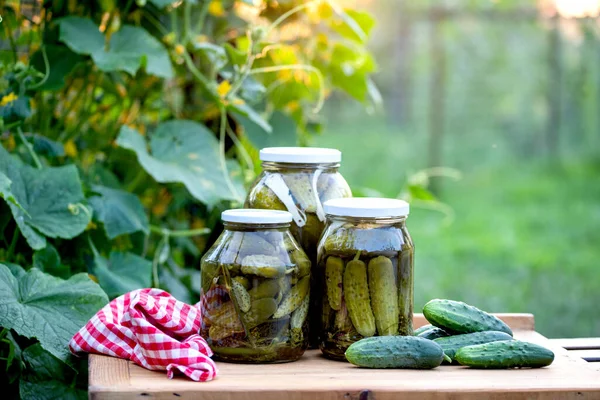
154,330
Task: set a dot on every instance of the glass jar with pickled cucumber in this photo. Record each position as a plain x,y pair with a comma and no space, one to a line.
365,259
300,180
255,289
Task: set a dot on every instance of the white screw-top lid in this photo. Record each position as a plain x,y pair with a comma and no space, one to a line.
252,216
367,207
300,155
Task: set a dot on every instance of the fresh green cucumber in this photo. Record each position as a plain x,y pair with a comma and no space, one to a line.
451,344
422,329
433,333
505,354
459,317
408,352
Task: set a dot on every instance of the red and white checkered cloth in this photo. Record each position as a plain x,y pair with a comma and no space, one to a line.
153,329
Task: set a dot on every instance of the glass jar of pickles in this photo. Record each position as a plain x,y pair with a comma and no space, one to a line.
299,180
255,289
365,259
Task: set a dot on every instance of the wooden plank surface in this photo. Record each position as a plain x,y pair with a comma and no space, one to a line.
587,355
578,343
314,377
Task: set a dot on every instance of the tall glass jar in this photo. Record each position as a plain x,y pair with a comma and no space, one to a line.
300,180
255,289
366,262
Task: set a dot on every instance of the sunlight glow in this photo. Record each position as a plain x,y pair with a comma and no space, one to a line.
577,8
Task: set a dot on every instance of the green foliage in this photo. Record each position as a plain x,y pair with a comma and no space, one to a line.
125,128
38,305
120,212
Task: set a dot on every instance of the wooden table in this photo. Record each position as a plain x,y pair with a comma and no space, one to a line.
314,377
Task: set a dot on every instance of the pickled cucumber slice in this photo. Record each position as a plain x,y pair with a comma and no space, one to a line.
384,295
265,266
356,293
241,296
267,288
294,298
334,273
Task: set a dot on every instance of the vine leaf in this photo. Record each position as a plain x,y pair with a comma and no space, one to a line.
129,49
120,212
50,309
354,25
81,35
6,193
50,198
122,273
349,70
185,152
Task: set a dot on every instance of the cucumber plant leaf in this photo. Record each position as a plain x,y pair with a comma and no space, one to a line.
185,152
6,193
122,273
50,198
354,25
38,305
120,212
130,48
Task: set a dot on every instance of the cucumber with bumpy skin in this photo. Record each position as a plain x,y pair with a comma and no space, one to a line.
294,298
408,352
356,294
422,329
384,295
334,273
459,317
451,344
241,296
505,354
433,333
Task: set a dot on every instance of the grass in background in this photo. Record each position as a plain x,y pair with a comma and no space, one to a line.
525,237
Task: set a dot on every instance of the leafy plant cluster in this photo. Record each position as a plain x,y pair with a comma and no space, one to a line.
125,128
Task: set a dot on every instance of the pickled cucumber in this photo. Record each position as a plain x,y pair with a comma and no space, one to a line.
302,262
302,189
384,295
342,319
241,296
260,311
299,315
334,273
263,197
292,300
267,288
356,293
242,280
265,266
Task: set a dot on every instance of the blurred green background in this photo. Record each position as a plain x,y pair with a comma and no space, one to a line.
507,94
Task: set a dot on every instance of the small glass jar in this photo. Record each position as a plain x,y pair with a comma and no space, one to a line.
366,262
255,290
299,180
